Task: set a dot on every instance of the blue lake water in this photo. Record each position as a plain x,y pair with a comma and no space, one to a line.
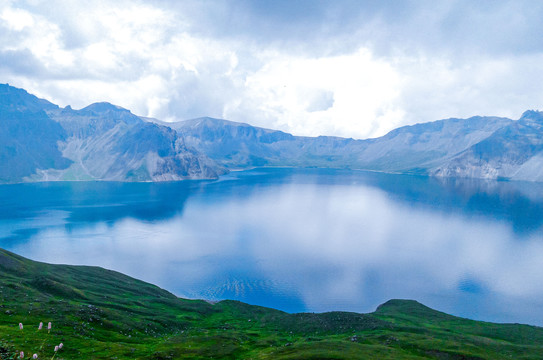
300,239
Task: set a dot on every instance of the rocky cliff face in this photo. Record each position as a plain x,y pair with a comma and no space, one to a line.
511,152
418,149
237,145
28,136
478,147
42,142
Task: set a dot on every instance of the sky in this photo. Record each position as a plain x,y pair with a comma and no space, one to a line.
309,67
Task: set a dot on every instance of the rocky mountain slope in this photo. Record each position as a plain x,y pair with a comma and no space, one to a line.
425,148
41,142
28,137
513,152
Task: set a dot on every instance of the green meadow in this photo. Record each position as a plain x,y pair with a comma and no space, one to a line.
102,314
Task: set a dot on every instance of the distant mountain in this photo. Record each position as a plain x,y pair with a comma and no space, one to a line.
41,142
28,136
238,145
420,148
513,152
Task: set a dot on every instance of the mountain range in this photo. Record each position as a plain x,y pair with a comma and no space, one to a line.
477,147
40,141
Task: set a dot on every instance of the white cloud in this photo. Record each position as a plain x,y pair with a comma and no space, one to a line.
344,69
16,19
436,87
279,94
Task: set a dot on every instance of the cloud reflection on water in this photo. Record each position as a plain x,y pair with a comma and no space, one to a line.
320,246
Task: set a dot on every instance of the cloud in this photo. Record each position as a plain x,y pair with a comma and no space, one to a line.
21,62
348,68
320,100
284,90
320,27
435,88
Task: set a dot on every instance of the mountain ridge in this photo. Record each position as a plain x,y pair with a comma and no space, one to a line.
99,142
103,141
417,149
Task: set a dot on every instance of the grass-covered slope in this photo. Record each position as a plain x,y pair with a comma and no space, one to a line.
101,314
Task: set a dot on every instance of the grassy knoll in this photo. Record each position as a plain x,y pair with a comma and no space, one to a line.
101,314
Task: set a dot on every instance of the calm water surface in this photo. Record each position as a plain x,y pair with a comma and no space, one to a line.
300,240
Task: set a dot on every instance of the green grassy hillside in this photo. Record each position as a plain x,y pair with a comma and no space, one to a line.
101,314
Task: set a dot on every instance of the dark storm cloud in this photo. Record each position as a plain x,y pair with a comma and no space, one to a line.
21,62
495,27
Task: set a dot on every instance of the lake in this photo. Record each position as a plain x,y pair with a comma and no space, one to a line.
300,239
